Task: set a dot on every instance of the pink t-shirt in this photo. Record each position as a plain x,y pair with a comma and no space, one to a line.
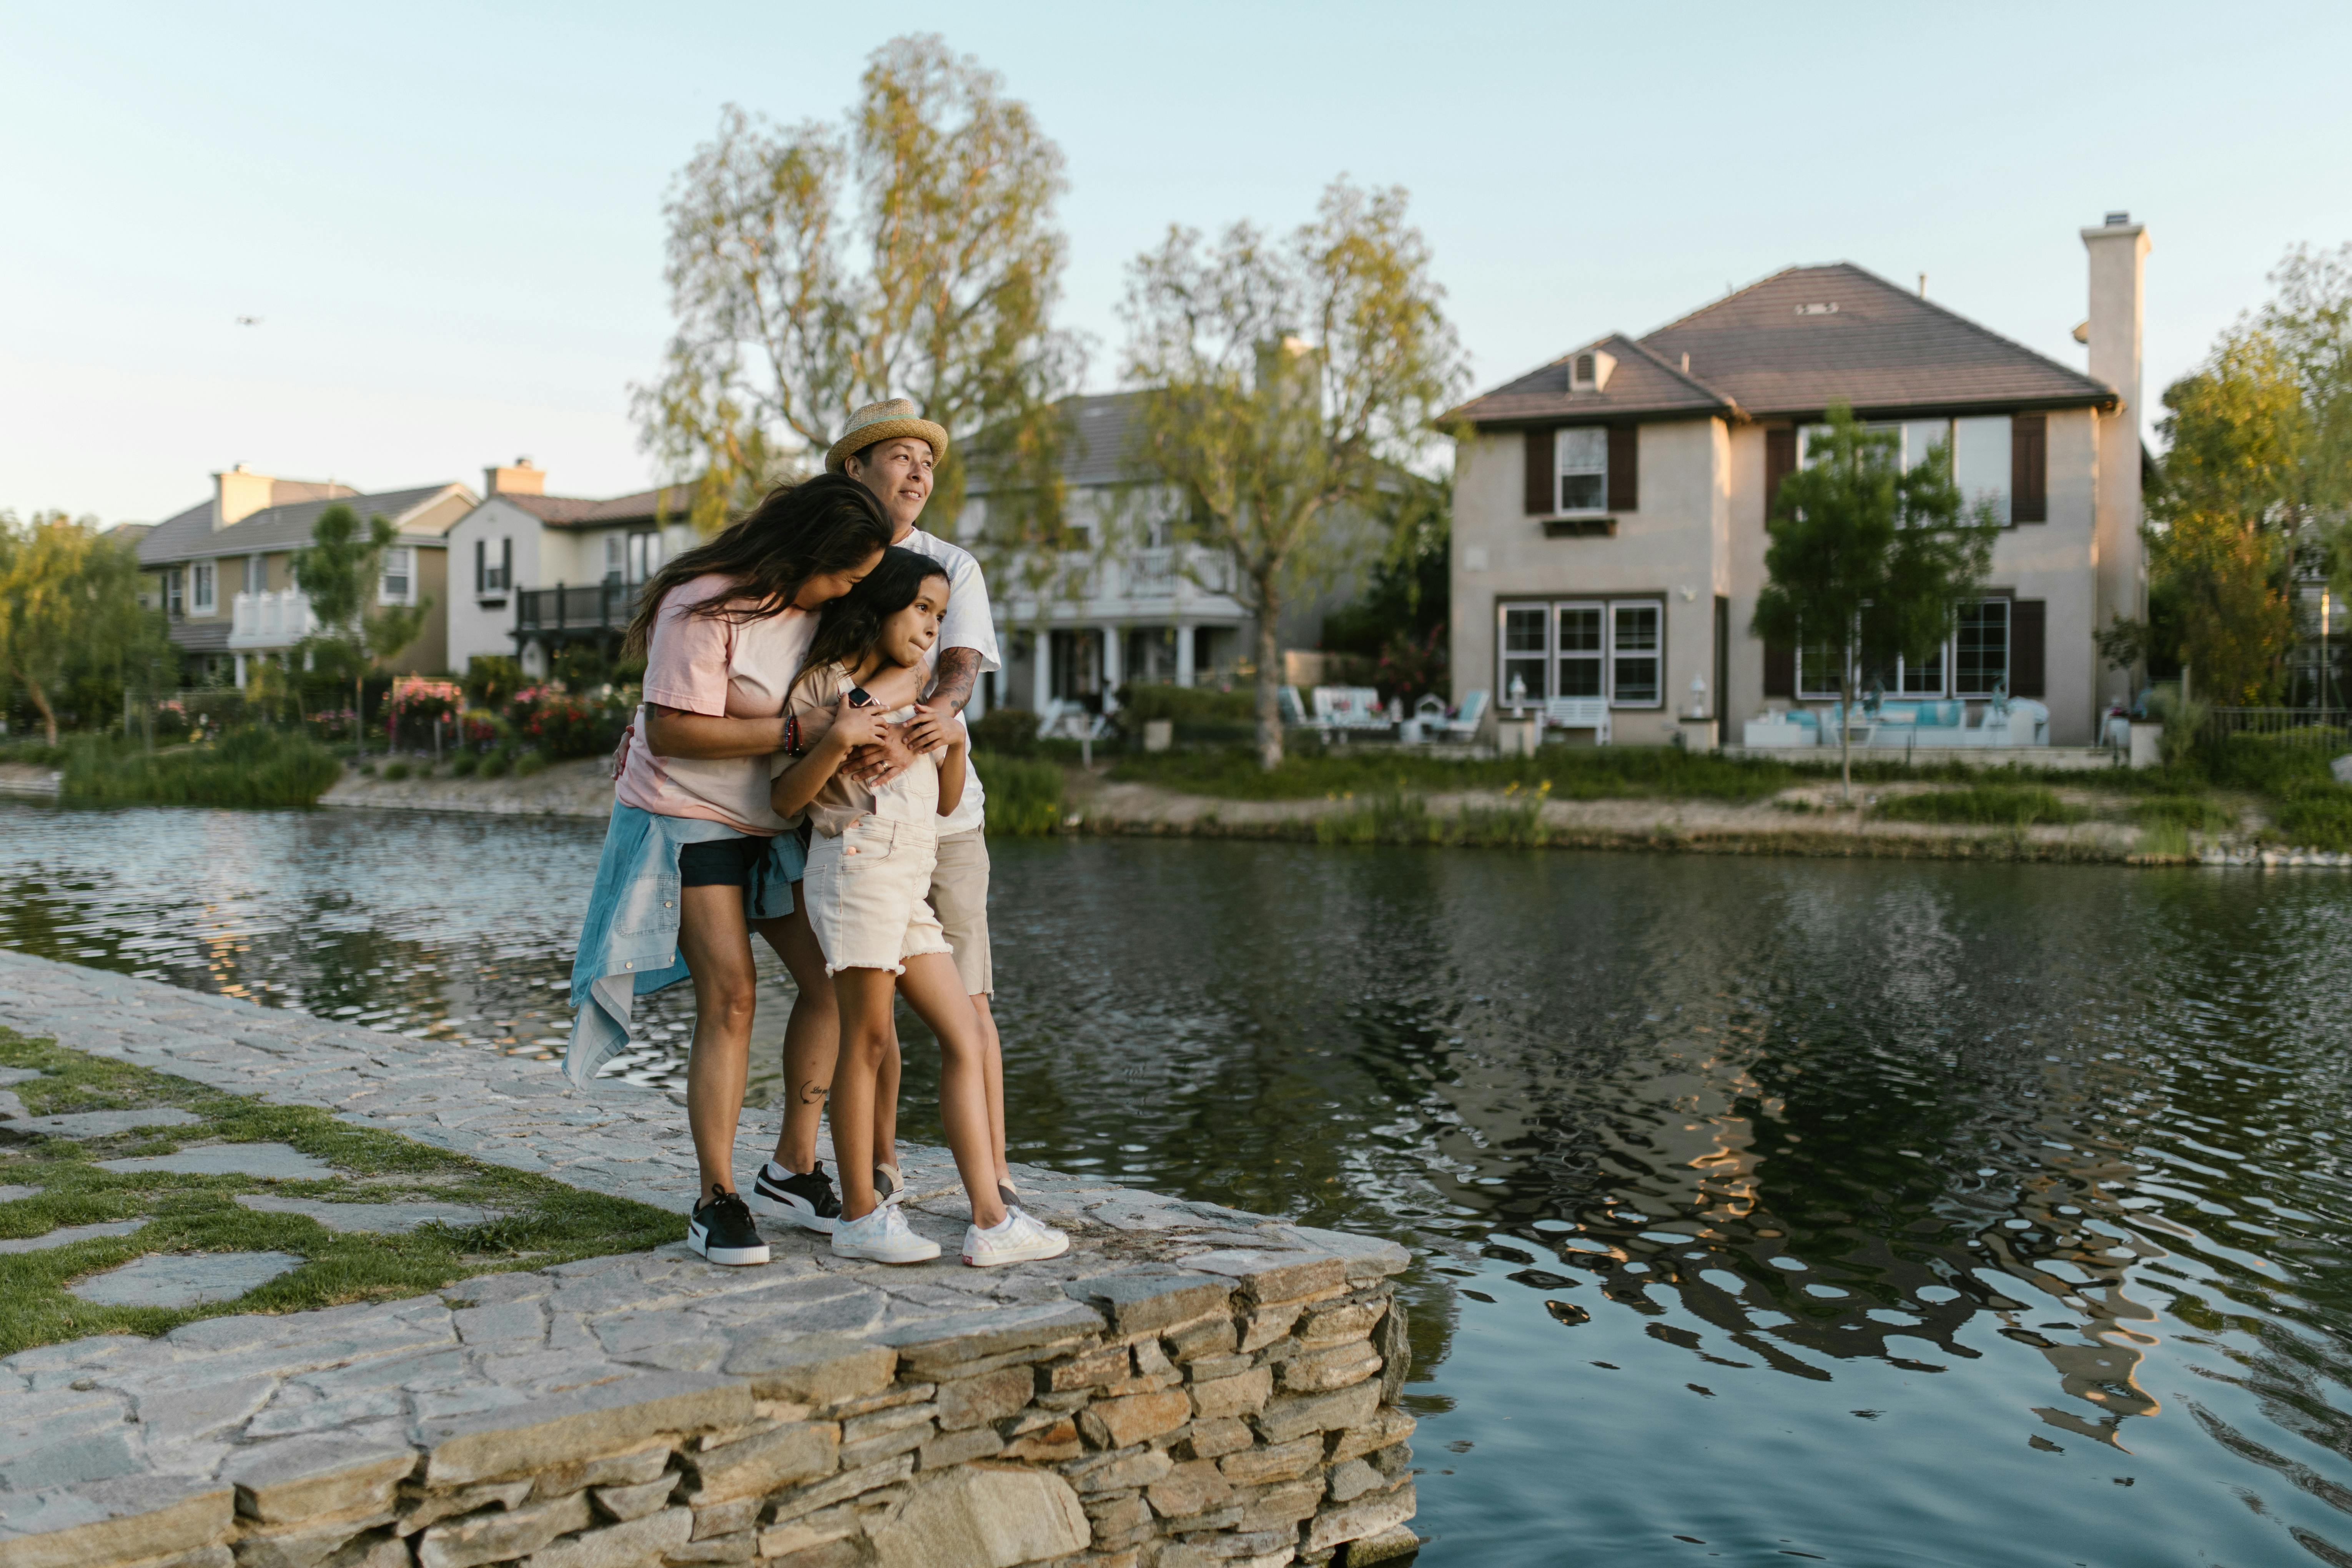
706,664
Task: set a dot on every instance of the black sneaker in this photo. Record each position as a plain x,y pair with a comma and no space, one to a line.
808,1201
722,1230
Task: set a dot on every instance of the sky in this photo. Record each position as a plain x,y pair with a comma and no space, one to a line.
448,218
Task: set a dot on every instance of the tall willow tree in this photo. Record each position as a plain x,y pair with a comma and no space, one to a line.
1285,382
909,250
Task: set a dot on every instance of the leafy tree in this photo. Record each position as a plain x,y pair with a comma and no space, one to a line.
1868,559
2225,518
1285,382
69,603
339,570
1400,618
910,251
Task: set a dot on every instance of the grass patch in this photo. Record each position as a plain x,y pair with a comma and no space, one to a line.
2317,818
2164,840
1024,794
545,1222
250,768
2190,812
1990,806
1396,816
1579,772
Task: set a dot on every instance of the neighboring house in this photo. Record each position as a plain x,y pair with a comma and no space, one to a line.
534,572
1125,603
222,570
1608,509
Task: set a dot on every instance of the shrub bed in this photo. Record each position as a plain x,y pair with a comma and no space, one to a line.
249,768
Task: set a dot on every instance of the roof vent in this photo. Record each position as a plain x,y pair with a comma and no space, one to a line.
1827,310
2118,220
1588,371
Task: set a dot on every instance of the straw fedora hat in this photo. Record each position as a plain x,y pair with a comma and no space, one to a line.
879,422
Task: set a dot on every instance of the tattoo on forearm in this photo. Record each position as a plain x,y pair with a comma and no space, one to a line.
959,673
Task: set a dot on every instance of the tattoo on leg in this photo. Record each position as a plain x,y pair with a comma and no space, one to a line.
811,1092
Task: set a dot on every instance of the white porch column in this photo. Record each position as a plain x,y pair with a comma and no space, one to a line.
1183,654
241,672
1041,671
1114,645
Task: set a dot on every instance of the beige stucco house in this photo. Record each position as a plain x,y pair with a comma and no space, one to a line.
222,570
1609,508
535,572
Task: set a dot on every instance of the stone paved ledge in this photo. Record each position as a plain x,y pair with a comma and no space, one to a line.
1191,1386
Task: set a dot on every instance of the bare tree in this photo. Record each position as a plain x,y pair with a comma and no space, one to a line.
1285,382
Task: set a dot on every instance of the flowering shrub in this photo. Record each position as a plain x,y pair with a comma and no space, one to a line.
414,704
561,725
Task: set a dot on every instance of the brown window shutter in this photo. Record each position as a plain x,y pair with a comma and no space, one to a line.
1780,671
1624,469
2029,469
2027,621
1779,462
1543,475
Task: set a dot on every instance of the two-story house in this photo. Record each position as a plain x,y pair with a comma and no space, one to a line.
533,573
223,570
1608,530
1126,601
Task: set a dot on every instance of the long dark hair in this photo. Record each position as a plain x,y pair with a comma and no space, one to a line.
830,523
851,626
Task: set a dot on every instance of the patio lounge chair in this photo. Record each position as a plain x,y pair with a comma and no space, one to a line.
1463,725
1288,707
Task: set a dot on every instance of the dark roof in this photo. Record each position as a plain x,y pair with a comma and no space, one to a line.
287,526
1641,384
1098,429
671,503
1801,340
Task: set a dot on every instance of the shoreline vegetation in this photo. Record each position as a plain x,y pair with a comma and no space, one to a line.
2244,799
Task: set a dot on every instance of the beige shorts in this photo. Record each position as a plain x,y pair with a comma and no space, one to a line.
960,898
865,895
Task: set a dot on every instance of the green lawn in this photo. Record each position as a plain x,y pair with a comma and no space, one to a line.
545,1222
1995,806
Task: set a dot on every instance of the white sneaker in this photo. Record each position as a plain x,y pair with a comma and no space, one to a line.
883,1236
1021,1239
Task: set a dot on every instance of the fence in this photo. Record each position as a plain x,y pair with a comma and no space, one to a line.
2303,726
606,607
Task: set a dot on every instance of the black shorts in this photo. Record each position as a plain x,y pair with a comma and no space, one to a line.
721,862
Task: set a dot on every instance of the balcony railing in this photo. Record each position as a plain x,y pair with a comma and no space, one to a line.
604,607
271,620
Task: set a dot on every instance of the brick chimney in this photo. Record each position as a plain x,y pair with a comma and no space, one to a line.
520,478
2118,255
237,494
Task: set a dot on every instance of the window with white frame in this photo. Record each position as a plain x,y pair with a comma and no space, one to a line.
256,573
202,579
1610,648
615,556
1972,664
397,585
175,601
1580,460
645,556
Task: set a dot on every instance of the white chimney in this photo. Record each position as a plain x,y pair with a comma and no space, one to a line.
238,493
520,478
2118,255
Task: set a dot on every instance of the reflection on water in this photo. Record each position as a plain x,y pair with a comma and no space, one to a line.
1869,1213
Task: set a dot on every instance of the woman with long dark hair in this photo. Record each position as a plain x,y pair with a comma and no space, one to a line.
695,858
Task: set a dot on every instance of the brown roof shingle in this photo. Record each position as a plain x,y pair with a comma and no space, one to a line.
1797,341
671,503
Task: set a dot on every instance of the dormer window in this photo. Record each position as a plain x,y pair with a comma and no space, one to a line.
1588,371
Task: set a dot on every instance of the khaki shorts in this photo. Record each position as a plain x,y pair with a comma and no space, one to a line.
959,899
864,896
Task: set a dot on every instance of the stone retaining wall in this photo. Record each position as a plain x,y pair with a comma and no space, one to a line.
1190,1386
1241,1410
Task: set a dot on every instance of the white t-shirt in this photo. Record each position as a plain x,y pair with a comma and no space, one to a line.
969,623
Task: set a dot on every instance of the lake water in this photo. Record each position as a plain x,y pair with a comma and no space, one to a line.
1868,1213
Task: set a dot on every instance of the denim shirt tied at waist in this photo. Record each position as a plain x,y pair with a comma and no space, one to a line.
628,944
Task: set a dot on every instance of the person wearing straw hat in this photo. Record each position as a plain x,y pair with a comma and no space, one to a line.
891,449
